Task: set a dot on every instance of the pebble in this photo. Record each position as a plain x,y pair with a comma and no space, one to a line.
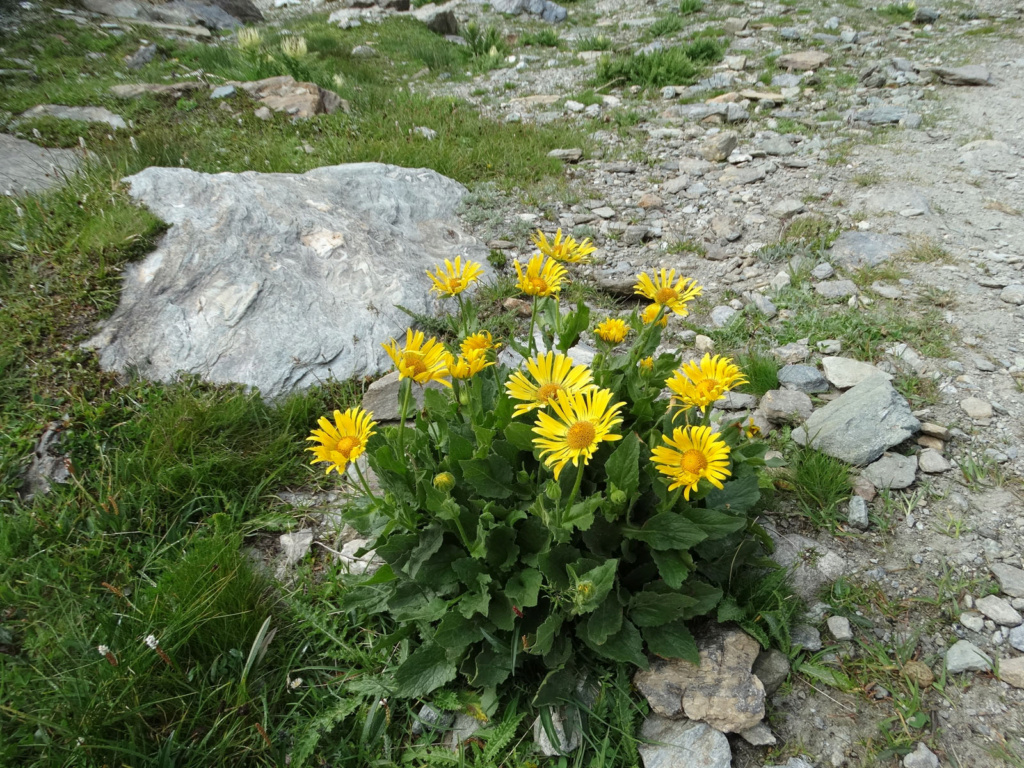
807,637
840,628
999,610
932,462
1016,637
922,757
823,271
857,514
965,656
892,471
972,621
836,289
1011,579
976,408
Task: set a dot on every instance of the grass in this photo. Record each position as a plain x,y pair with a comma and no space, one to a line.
820,484
812,229
666,25
897,12
761,370
545,38
594,43
690,7
679,65
926,250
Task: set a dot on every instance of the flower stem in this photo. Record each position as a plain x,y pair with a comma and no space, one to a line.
402,411
533,320
362,479
575,490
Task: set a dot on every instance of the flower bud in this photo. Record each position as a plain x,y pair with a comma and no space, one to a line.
444,481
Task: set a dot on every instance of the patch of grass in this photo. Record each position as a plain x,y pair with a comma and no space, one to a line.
690,7
919,391
687,246
887,272
867,179
926,250
485,43
820,483
761,370
988,29
546,38
594,43
679,65
666,25
812,229
588,97
897,12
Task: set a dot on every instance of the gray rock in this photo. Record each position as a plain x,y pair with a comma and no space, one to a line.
786,406
719,147
857,513
787,207
382,397
1013,294
243,10
999,610
49,465
141,57
735,176
802,60
189,13
859,426
812,564
922,757
1011,671
222,92
892,471
969,75
1016,638
976,408
722,691
430,719
25,167
845,372
772,669
721,316
856,249
439,19
836,289
840,628
760,736
567,742
885,115
464,728
735,401
793,762
965,656
295,546
682,744
779,145
83,114
764,305
972,621
926,16
823,271
1011,579
573,155
281,281
807,637
787,80
803,378
545,9
794,352
932,462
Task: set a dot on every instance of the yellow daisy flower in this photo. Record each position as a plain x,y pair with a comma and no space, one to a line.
690,454
752,429
646,365
344,440
613,330
453,279
419,360
550,374
666,289
540,278
583,422
700,384
650,313
566,249
480,340
468,366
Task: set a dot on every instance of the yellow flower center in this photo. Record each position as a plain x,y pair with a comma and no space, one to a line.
345,445
547,392
706,388
538,284
581,435
414,362
453,284
666,295
693,461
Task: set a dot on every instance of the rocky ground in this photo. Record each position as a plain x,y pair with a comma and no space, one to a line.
899,128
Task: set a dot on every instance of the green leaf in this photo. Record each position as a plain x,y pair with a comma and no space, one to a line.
430,541
667,530
714,523
436,404
623,466
605,621
460,448
598,582
477,600
672,641
546,634
383,575
386,461
520,434
490,477
831,677
738,497
425,670
500,612
501,550
730,610
706,596
652,609
557,687
491,668
625,645
554,563
524,587
673,566
456,633
581,514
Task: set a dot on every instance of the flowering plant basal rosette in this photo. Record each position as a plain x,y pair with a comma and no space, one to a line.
537,518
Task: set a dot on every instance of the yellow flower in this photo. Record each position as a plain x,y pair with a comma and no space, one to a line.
540,278
420,361
646,365
566,249
480,340
752,429
665,289
454,278
690,454
700,384
344,440
551,373
583,422
444,481
470,365
651,312
613,330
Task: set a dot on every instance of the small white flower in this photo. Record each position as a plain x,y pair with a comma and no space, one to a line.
103,649
151,642
294,684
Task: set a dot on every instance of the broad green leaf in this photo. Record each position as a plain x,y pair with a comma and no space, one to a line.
501,549
524,587
386,461
520,434
425,670
581,514
673,566
460,448
672,641
456,632
429,611
737,497
500,612
623,466
706,596
594,585
832,677
556,688
625,645
436,404
605,621
477,600
714,523
546,633
554,563
491,478
430,541
730,610
652,609
397,548
667,530
491,668
383,575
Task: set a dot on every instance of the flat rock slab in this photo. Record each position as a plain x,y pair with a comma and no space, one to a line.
845,372
281,281
682,744
999,610
1011,579
836,289
965,656
136,90
1011,671
285,94
803,378
861,424
812,565
802,60
892,471
854,250
788,406
26,167
82,114
722,691
972,74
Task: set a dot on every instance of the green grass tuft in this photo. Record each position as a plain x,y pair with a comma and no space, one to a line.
820,483
680,65
761,370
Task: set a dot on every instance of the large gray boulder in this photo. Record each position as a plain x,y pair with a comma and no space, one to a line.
545,9
855,249
862,424
26,167
280,281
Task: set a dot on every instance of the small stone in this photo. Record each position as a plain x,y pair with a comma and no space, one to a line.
965,656
672,743
934,430
760,736
764,305
735,63
721,316
823,271
976,408
863,488
999,610
969,75
892,471
1012,671
703,344
1013,294
786,406
932,462
829,346
803,378
650,201
430,719
1016,637
931,442
263,113
840,628
857,514
772,669
735,401
719,147
972,621
787,207
836,289
802,60
295,546
926,16
573,155
222,92
919,673
364,52
141,57
794,352
845,372
780,281
807,637
922,757
1011,579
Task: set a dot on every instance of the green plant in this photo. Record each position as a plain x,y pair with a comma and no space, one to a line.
666,25
815,230
594,43
762,371
679,65
499,567
687,246
820,483
485,43
547,38
689,7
